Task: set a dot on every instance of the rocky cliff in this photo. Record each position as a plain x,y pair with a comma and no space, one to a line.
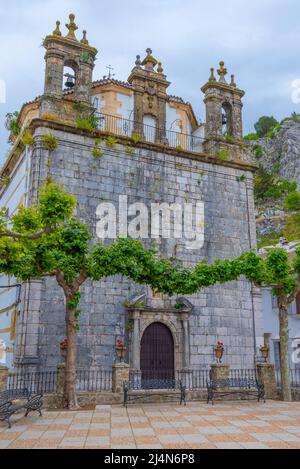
278,159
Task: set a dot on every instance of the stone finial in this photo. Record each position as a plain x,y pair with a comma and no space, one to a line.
84,39
149,61
222,72
159,68
138,61
232,83
72,27
212,75
57,31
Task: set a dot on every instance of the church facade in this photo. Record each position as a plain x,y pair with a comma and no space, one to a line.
147,153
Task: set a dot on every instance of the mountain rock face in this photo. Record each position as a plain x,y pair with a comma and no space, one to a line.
278,155
282,152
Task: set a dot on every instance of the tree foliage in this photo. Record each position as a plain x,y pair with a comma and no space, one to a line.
292,202
264,125
47,240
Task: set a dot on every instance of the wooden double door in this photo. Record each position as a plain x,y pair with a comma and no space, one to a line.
157,353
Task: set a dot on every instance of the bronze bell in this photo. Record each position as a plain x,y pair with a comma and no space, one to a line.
70,83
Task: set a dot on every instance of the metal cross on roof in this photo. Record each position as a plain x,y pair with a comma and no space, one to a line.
110,75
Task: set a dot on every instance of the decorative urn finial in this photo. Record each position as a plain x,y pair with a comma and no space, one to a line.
222,72
212,75
57,31
84,39
72,27
149,61
138,61
232,83
159,68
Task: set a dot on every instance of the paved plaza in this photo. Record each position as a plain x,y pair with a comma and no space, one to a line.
224,426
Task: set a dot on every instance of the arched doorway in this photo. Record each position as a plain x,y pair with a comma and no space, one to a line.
157,353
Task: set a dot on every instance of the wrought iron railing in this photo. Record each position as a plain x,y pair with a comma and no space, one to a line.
152,379
34,381
200,378
46,381
129,128
192,379
93,380
295,378
243,373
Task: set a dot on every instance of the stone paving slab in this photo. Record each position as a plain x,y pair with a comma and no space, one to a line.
241,425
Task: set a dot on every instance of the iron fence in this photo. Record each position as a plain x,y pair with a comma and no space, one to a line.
93,380
128,128
34,381
191,379
46,381
243,373
200,378
152,379
294,375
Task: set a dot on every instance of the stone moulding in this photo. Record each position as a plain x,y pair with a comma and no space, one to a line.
155,147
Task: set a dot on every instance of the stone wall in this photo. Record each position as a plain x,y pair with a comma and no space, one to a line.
224,312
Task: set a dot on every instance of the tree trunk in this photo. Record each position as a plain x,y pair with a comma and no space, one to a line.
284,351
70,398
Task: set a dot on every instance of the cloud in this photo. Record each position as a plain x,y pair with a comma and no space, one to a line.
258,40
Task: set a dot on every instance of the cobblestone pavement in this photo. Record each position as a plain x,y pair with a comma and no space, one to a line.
226,425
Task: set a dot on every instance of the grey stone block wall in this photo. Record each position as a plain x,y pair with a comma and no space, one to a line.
223,312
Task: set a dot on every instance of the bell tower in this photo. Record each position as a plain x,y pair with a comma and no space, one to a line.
67,51
223,103
150,96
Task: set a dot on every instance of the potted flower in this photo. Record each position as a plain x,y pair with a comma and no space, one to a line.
63,345
219,350
120,349
264,350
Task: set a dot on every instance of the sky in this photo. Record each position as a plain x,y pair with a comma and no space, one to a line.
259,40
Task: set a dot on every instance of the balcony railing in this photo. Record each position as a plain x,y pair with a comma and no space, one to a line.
146,133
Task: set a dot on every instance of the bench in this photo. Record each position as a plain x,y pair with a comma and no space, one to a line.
235,386
140,389
28,401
